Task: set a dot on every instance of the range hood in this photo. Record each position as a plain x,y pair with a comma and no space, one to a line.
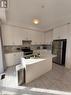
26,43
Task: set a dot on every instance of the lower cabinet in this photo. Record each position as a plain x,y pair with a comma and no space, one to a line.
13,58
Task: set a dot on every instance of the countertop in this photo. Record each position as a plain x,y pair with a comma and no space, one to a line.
25,62
35,60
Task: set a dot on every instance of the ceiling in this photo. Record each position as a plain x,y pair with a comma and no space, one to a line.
51,13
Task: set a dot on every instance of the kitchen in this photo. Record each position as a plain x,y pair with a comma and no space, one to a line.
12,42
17,27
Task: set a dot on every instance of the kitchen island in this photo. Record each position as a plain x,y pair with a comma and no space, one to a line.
34,68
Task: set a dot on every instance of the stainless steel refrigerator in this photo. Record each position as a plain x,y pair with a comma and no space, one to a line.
59,49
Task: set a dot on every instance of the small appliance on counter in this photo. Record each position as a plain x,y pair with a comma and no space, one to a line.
59,49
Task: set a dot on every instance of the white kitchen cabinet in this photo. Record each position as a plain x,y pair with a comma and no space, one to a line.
64,32
33,37
56,34
18,57
14,35
7,34
48,37
19,35
36,37
61,32
9,58
40,38
13,58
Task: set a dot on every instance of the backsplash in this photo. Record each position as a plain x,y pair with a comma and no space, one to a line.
17,48
12,48
43,46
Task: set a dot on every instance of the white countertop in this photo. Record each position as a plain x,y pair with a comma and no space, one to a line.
30,61
34,60
25,62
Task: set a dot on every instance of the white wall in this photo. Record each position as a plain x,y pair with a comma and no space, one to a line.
13,35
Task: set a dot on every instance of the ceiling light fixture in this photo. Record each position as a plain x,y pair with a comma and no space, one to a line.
36,21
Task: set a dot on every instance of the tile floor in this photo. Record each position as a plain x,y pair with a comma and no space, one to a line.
55,82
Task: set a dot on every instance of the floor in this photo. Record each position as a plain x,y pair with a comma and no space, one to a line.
55,82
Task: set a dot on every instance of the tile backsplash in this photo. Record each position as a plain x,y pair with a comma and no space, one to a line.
43,46
17,48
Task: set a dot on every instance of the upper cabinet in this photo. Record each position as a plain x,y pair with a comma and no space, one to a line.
19,35
7,35
61,32
48,37
56,34
36,37
14,35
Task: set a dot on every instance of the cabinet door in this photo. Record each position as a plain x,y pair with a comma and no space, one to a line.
64,32
9,58
56,34
17,38
49,37
7,34
19,35
40,39
17,57
13,35
61,32
13,58
36,37
32,36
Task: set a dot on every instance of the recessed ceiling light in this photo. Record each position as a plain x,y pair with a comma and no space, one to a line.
36,21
